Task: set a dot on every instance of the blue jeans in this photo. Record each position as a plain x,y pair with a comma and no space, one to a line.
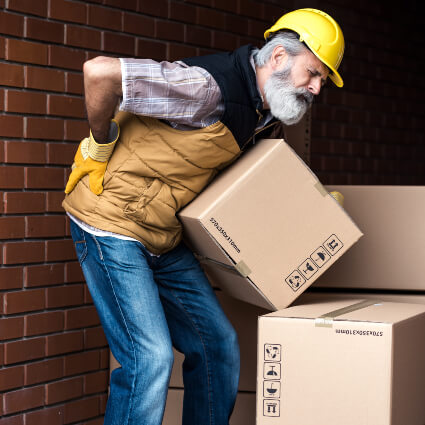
146,305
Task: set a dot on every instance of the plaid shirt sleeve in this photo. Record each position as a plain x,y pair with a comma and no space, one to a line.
186,96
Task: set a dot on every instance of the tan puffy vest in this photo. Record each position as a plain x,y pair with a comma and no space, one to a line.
154,171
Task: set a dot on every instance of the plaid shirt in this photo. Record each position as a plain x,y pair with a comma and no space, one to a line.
187,97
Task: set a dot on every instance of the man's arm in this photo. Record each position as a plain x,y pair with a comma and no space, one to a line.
103,90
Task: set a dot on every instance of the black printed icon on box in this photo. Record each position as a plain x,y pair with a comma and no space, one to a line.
272,352
295,280
333,245
271,370
308,268
320,256
271,389
271,408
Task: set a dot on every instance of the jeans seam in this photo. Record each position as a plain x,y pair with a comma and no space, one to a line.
210,392
99,248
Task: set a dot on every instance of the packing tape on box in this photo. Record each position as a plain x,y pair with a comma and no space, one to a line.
326,320
319,186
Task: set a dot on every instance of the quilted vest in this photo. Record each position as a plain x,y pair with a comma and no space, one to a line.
155,170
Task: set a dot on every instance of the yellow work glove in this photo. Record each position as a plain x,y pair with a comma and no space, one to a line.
92,158
338,196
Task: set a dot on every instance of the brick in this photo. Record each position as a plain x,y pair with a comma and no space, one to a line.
73,272
45,79
10,420
211,19
60,250
138,24
57,392
32,8
11,126
11,278
228,6
44,323
224,41
103,17
21,351
2,108
44,128
198,36
64,343
81,318
64,296
96,382
60,153
23,202
98,421
122,4
28,398
87,296
44,30
44,178
12,24
179,51
170,30
76,130
45,227
10,329
68,11
44,275
94,338
156,8
54,201
50,416
76,364
118,43
46,370
81,409
239,25
74,83
11,377
26,51
23,252
182,12
12,227
83,37
151,49
66,106
66,57
24,301
25,152
104,358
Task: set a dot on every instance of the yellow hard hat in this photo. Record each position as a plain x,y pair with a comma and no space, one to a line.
320,32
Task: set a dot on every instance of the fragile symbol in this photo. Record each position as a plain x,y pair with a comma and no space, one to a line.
272,352
271,389
271,370
333,245
308,268
295,280
271,408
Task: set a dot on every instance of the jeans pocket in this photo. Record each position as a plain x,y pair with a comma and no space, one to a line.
79,239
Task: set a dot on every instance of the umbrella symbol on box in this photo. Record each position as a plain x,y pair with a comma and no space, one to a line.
272,370
271,389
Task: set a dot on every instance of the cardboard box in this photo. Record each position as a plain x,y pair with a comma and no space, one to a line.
342,362
392,252
266,229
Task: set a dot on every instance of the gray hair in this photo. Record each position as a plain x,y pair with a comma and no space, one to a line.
288,39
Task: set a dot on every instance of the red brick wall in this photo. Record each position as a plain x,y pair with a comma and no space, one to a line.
53,355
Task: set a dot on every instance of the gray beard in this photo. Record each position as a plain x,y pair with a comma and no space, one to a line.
287,103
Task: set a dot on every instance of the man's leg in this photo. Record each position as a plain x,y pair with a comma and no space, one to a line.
200,330
126,298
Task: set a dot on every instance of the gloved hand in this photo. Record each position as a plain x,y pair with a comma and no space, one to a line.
92,158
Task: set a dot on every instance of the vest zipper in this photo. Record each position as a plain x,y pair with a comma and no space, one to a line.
259,131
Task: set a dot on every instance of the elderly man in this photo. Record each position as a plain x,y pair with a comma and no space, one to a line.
179,124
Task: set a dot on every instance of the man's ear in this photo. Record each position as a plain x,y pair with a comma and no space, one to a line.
278,57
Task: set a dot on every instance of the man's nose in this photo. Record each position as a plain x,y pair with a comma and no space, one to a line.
314,86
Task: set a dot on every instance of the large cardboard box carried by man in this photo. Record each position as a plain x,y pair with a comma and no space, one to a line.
345,362
266,229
